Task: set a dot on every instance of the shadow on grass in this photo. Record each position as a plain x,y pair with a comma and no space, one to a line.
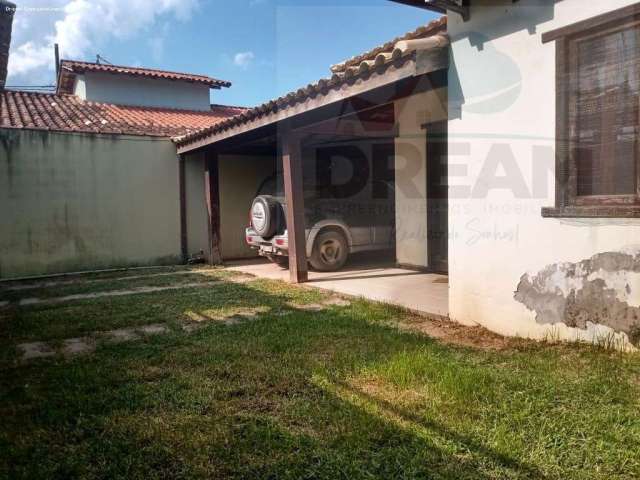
511,464
232,401
46,322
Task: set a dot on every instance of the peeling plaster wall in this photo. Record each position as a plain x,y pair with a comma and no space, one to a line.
603,290
72,202
501,164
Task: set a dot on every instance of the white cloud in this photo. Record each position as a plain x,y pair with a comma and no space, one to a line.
156,45
243,59
81,27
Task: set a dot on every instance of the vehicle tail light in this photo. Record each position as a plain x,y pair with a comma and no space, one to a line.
280,241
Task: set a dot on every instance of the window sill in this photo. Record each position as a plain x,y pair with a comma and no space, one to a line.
631,211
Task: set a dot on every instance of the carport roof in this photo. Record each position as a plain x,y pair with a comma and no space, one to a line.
68,113
432,28
353,76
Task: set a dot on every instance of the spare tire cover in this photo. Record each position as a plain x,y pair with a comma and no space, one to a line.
264,218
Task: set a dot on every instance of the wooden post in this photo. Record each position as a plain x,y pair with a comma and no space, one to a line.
183,209
294,195
212,197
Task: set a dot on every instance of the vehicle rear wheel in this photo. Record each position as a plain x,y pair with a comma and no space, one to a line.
330,251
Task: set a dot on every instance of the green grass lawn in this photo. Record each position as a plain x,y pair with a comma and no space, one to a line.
350,392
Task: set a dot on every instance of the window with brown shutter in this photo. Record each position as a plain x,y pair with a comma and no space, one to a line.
598,116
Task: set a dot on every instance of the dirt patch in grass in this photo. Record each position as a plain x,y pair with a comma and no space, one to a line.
453,333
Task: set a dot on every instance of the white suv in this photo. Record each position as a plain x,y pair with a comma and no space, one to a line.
334,228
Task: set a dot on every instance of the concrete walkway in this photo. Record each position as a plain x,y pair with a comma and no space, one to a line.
426,293
71,347
113,293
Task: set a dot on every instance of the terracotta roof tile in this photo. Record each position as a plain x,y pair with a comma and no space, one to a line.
70,68
345,72
436,26
68,113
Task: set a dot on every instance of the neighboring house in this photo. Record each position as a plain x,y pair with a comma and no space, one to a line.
89,176
136,86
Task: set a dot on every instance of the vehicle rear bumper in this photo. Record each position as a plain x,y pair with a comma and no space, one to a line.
277,245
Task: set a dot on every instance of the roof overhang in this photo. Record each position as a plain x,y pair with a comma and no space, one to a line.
414,65
460,7
68,70
359,86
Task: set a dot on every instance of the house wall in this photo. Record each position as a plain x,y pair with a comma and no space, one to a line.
126,90
240,177
411,173
512,270
71,202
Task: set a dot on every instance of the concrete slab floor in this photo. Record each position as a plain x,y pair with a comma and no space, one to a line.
18,285
35,350
113,293
78,346
375,280
120,335
86,345
153,329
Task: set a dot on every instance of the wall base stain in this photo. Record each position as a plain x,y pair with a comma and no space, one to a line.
76,202
9,141
602,290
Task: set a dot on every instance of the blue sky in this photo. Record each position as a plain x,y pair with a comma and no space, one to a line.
264,47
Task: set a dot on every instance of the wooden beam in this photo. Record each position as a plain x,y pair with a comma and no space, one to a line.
363,129
183,209
212,197
294,196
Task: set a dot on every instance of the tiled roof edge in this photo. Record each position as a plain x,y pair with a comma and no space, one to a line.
431,28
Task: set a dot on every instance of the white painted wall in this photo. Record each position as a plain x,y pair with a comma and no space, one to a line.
80,87
129,90
411,173
508,119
